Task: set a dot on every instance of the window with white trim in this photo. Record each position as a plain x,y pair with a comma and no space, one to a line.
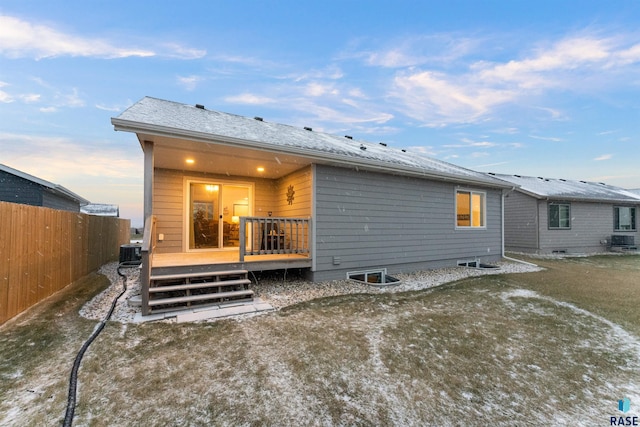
559,216
624,218
470,209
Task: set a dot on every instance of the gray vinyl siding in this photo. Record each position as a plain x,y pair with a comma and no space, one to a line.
54,201
19,190
520,222
591,223
370,220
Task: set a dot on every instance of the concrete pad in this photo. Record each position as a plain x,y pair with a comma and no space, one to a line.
208,313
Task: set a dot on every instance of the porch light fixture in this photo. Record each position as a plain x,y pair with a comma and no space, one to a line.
211,188
260,169
189,161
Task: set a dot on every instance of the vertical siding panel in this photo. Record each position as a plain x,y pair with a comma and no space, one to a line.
43,250
6,255
16,261
48,249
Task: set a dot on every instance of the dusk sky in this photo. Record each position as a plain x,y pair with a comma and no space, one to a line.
541,88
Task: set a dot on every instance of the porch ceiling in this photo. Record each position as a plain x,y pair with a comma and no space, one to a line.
171,153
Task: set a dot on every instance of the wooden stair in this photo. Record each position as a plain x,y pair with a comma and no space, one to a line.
172,292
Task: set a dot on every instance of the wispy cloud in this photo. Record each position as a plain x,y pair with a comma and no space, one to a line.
603,157
547,138
250,99
439,97
411,51
4,96
115,107
190,82
24,39
63,159
468,143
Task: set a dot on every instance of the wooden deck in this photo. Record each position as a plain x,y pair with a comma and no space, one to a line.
225,259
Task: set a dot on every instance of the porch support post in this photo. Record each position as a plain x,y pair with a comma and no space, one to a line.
242,235
149,228
149,166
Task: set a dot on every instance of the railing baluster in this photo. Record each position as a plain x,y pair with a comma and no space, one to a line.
269,235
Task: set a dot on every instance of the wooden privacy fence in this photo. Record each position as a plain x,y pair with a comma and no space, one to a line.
43,250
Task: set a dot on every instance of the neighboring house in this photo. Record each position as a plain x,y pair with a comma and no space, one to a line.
20,187
544,215
101,209
227,192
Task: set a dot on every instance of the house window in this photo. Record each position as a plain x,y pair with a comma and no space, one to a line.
624,218
470,209
560,216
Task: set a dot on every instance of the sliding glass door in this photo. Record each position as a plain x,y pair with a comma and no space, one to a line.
214,211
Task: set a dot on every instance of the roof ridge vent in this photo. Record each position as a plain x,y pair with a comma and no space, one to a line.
384,144
518,176
584,182
348,136
258,118
362,147
308,128
562,179
200,106
404,151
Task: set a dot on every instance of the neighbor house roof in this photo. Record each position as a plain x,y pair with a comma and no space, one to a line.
55,188
171,119
566,189
101,209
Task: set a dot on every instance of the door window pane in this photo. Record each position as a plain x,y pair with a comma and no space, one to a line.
204,214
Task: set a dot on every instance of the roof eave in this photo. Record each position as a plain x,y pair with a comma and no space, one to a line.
164,131
575,199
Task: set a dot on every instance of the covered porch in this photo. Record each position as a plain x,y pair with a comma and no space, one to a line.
179,280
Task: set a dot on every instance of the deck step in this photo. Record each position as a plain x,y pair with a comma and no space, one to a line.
191,298
200,274
187,286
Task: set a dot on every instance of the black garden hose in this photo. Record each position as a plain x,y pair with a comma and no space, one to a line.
73,379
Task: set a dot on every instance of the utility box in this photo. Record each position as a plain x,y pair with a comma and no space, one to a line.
130,253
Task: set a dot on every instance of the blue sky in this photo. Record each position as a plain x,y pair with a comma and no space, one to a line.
544,88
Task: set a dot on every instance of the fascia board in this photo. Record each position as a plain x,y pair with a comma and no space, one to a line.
575,199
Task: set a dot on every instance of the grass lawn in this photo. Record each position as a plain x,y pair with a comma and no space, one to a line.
555,347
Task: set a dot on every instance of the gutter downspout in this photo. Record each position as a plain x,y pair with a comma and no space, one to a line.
502,236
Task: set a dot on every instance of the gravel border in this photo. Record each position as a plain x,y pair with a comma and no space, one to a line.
281,294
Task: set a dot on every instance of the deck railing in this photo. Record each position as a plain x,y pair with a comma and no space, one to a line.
148,245
269,235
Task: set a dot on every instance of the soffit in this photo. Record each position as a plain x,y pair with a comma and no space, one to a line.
209,157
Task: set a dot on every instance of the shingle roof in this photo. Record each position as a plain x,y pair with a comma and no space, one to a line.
152,115
565,189
58,189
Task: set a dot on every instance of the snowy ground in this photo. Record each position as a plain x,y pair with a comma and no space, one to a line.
284,293
489,353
